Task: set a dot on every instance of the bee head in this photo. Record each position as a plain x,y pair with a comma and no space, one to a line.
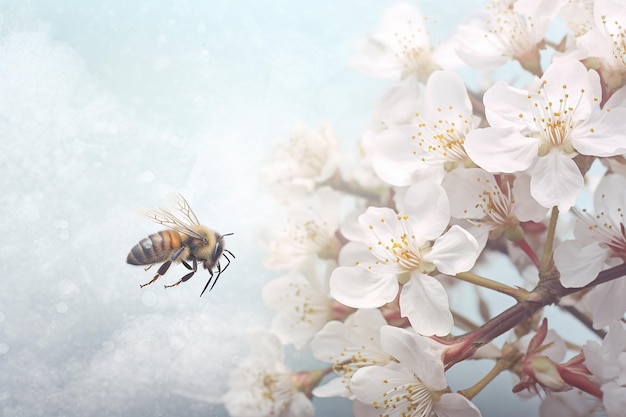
219,247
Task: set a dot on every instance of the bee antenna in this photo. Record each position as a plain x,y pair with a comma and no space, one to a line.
228,234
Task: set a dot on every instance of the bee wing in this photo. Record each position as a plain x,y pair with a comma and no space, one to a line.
178,204
179,217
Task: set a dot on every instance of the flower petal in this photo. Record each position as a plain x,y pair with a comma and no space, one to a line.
556,181
455,405
579,264
360,288
424,301
501,149
504,105
607,303
394,159
411,350
602,134
426,203
455,251
446,97
371,384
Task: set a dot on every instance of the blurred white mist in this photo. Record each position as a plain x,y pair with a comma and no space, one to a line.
105,107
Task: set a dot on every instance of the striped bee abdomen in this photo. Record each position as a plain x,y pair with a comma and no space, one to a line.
158,247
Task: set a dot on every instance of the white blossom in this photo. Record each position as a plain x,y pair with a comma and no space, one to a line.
414,385
263,386
433,142
607,361
541,130
302,303
605,42
309,232
305,162
506,30
349,346
401,47
408,247
600,242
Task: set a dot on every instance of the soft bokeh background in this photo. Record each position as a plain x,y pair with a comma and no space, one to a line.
105,107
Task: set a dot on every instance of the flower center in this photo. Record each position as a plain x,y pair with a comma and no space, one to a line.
414,55
604,229
442,140
496,202
618,36
409,399
511,31
552,120
277,390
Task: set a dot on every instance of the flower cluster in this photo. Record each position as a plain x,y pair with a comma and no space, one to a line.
383,264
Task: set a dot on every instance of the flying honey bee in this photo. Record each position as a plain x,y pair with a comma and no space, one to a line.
185,241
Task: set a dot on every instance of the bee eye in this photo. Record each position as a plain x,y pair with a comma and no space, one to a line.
218,251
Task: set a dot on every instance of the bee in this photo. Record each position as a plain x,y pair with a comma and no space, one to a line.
185,241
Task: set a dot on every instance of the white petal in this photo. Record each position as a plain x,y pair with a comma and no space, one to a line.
614,399
570,77
504,105
383,227
398,105
336,387
424,302
426,202
607,302
359,288
446,97
526,208
328,341
376,58
579,264
602,134
456,405
465,188
410,349
300,406
353,253
610,198
593,358
393,158
367,383
455,251
501,149
556,181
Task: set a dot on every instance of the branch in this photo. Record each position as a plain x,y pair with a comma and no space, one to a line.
548,291
517,293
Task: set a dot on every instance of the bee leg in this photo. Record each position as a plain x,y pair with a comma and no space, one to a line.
220,270
162,270
186,277
148,267
208,282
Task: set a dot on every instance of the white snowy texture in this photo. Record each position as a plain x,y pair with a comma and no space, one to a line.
105,109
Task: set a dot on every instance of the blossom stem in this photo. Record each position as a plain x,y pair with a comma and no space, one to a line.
546,256
510,356
517,293
337,183
523,244
604,276
548,291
